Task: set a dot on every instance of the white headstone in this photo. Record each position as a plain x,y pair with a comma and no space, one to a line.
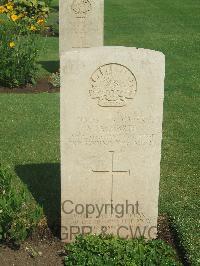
111,131
81,24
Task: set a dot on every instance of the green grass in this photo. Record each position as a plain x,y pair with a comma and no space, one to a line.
49,46
30,123
49,56
30,147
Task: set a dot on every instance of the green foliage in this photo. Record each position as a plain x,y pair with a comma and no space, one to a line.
17,217
18,56
48,2
33,8
111,251
29,14
53,23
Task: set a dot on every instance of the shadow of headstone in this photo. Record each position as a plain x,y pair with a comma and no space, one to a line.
43,181
50,66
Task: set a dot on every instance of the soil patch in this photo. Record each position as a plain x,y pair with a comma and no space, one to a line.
43,252
45,249
42,85
164,231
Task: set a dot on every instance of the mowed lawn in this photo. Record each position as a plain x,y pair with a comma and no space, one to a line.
30,122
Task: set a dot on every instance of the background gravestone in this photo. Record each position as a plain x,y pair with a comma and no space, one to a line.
111,131
81,24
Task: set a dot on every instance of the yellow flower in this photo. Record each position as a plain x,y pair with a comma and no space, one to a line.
11,44
40,21
33,28
14,17
2,9
9,6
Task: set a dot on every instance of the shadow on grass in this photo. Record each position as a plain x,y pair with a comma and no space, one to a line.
43,181
182,253
55,8
50,66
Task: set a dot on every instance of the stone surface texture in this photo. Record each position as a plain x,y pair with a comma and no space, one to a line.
111,133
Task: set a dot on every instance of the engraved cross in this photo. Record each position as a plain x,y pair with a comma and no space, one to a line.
112,171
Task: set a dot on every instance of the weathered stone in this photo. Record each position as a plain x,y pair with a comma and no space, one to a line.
111,131
81,24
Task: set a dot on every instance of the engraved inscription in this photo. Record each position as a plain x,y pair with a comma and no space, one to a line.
123,130
113,84
81,8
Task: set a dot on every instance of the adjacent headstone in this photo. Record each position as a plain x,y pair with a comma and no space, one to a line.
81,24
111,131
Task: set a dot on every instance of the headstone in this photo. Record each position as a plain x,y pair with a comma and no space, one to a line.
81,24
111,131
